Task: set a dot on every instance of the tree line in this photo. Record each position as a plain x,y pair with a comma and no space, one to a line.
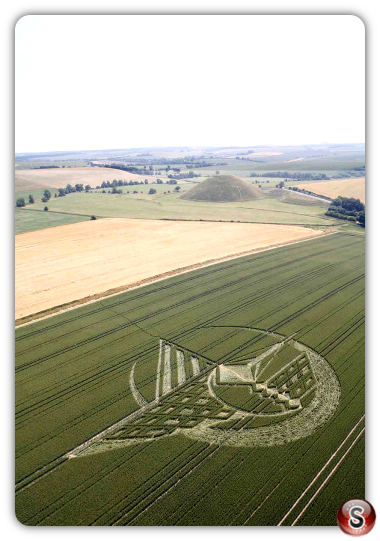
115,183
128,168
182,176
347,208
308,192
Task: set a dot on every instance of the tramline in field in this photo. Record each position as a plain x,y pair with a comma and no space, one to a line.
239,386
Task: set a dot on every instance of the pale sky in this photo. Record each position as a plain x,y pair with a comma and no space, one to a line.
98,82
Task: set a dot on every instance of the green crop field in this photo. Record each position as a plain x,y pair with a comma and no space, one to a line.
21,164
170,206
30,220
229,395
37,194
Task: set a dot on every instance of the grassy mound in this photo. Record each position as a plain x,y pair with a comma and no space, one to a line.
222,188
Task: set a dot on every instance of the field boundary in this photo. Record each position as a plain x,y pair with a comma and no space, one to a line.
309,195
60,309
24,209
330,222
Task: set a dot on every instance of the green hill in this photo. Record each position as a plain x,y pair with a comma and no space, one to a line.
222,188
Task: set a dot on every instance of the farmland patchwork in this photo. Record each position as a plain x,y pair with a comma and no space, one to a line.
229,395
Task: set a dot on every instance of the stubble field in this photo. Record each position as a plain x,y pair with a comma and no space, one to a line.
352,187
65,263
31,179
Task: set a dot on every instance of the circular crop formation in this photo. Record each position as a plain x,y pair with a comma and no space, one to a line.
229,385
295,422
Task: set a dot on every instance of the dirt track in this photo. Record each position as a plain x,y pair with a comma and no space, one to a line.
66,263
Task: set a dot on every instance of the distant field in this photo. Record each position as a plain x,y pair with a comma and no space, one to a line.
353,187
274,206
29,179
170,206
263,154
298,199
29,220
142,190
63,264
192,460
323,157
36,193
33,164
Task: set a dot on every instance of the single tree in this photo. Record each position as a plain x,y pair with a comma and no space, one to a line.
46,209
361,218
20,202
47,195
152,191
31,199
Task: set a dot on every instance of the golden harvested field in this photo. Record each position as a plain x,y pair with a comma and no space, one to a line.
66,263
32,179
352,187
